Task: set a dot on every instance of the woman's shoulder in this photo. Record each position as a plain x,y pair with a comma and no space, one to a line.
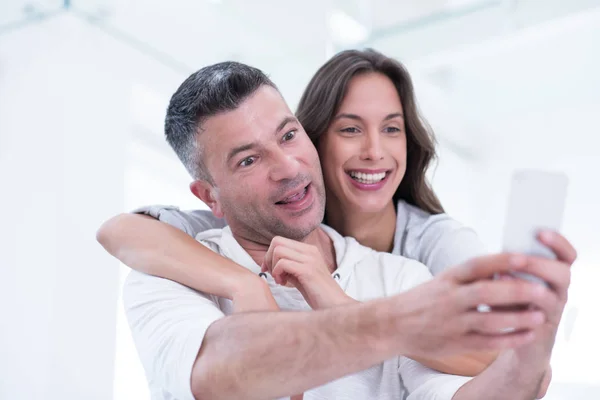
417,222
437,240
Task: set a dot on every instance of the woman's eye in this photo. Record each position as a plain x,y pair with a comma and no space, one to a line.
350,130
289,136
392,129
247,161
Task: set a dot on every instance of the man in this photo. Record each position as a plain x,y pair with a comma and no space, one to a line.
254,165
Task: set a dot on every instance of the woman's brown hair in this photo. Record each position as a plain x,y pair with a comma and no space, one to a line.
324,94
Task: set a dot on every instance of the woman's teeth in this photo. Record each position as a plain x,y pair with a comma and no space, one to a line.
367,178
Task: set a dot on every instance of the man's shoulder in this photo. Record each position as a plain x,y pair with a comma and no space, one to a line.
138,285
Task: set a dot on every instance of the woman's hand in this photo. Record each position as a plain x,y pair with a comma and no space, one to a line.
302,266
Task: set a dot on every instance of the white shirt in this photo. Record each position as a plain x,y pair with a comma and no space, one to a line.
438,241
168,322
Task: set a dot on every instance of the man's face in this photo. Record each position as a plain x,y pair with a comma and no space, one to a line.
267,179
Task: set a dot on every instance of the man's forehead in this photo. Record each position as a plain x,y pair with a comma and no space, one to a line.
264,109
254,121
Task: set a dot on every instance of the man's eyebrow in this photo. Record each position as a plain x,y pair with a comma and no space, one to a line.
236,150
285,121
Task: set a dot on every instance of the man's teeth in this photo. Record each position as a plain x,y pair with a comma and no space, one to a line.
367,178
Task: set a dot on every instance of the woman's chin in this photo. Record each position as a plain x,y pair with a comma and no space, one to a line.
368,205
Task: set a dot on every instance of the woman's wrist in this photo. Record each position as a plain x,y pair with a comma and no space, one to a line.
252,293
243,282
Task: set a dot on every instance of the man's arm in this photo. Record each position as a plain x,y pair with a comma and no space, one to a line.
191,350
509,377
185,343
266,355
271,355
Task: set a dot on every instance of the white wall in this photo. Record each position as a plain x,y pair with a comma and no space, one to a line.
63,134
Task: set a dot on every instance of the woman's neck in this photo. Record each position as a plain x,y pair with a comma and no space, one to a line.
374,230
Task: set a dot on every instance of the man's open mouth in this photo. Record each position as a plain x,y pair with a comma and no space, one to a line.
294,197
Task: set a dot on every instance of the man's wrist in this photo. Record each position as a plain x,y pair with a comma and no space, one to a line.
524,370
383,333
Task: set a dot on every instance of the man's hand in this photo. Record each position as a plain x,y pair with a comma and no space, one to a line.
523,372
440,317
557,273
303,266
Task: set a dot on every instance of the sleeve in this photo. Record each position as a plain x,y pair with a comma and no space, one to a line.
446,243
168,322
425,383
191,222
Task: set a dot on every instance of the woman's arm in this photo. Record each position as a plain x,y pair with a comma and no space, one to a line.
156,248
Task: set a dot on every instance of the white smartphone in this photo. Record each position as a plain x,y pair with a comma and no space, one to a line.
537,201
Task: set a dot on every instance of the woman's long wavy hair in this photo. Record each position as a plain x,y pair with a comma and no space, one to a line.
324,95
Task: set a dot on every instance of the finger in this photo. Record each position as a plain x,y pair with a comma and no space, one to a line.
285,253
292,244
496,322
482,342
485,267
285,269
268,260
563,249
545,383
556,273
277,245
501,293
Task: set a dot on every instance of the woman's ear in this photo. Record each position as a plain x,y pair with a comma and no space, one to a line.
209,195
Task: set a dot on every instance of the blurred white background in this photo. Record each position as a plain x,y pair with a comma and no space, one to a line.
84,86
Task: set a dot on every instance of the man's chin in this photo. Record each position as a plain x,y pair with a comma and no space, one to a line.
298,231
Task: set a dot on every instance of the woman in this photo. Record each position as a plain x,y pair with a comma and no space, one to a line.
359,110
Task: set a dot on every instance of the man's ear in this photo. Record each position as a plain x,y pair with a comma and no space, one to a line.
209,195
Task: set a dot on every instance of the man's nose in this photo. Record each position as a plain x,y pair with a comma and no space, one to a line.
286,166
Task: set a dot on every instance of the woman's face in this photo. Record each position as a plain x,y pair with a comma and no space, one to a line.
363,152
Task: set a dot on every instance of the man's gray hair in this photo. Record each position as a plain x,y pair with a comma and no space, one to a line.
212,90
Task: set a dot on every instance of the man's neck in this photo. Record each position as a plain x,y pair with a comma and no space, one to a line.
374,230
318,238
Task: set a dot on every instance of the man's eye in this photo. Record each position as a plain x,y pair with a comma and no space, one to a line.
289,136
247,161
